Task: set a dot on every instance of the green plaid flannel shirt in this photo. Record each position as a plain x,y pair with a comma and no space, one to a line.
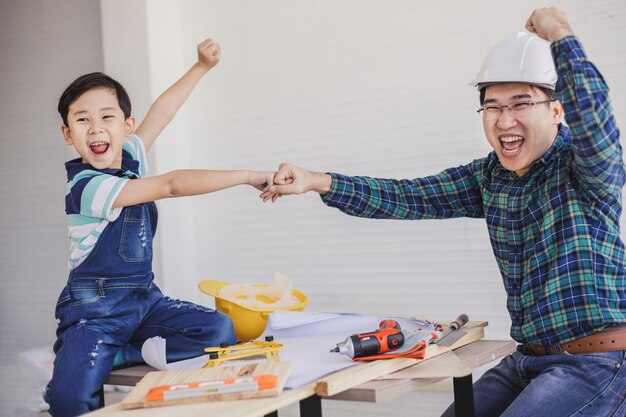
555,231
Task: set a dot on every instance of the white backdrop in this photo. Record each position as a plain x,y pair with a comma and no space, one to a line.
357,87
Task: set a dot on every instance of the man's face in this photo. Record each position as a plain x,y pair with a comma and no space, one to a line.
520,140
97,128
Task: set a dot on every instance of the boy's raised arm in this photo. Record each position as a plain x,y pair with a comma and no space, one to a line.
165,107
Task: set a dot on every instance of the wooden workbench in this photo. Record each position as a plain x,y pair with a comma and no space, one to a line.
473,355
425,373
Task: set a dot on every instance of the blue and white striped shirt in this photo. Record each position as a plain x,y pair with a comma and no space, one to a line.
90,196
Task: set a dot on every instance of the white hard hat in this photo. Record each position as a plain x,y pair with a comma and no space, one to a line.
520,58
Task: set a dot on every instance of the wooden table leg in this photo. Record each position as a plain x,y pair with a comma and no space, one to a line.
463,396
311,406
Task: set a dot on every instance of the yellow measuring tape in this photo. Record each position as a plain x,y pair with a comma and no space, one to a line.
269,349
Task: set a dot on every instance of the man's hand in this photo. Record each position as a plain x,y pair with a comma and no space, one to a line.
293,180
549,23
209,54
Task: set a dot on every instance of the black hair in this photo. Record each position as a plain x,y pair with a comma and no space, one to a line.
88,82
547,91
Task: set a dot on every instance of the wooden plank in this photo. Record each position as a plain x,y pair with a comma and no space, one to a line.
485,351
348,378
255,407
382,390
358,374
136,398
128,376
447,365
473,355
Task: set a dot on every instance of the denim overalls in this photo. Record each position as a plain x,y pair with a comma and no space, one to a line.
110,304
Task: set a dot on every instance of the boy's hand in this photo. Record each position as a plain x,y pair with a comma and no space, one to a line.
165,107
209,54
260,180
549,23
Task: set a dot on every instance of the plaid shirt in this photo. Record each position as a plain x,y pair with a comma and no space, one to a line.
554,231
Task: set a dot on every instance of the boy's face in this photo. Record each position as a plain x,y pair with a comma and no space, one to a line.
97,128
520,140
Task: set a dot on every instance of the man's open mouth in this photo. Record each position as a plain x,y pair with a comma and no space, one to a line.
511,144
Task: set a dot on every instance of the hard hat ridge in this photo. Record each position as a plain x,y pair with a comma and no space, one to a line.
519,58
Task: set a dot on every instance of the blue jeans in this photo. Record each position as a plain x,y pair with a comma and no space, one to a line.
110,304
553,385
99,317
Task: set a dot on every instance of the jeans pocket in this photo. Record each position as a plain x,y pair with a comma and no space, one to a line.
85,293
136,240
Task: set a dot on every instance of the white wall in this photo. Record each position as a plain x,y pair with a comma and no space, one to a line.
358,87
363,88
39,43
44,45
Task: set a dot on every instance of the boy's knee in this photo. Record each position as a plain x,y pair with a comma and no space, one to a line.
212,329
224,329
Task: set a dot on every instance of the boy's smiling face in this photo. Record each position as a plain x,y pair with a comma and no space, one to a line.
97,128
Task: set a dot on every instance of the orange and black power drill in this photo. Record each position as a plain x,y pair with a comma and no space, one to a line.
387,337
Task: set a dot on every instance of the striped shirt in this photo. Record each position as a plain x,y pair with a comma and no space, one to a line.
90,196
554,231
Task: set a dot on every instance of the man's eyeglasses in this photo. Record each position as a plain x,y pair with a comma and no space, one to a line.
517,109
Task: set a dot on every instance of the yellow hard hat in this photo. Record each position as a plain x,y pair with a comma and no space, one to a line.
249,321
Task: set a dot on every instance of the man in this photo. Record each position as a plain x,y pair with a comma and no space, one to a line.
551,197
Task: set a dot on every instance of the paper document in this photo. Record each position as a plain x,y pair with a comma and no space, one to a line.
308,338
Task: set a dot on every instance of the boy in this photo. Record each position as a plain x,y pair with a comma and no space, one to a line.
110,304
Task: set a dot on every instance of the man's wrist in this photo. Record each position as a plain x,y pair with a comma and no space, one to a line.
560,33
323,183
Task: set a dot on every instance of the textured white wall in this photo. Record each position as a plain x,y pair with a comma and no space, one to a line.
44,45
363,88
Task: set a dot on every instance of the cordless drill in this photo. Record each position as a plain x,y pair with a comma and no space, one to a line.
387,337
